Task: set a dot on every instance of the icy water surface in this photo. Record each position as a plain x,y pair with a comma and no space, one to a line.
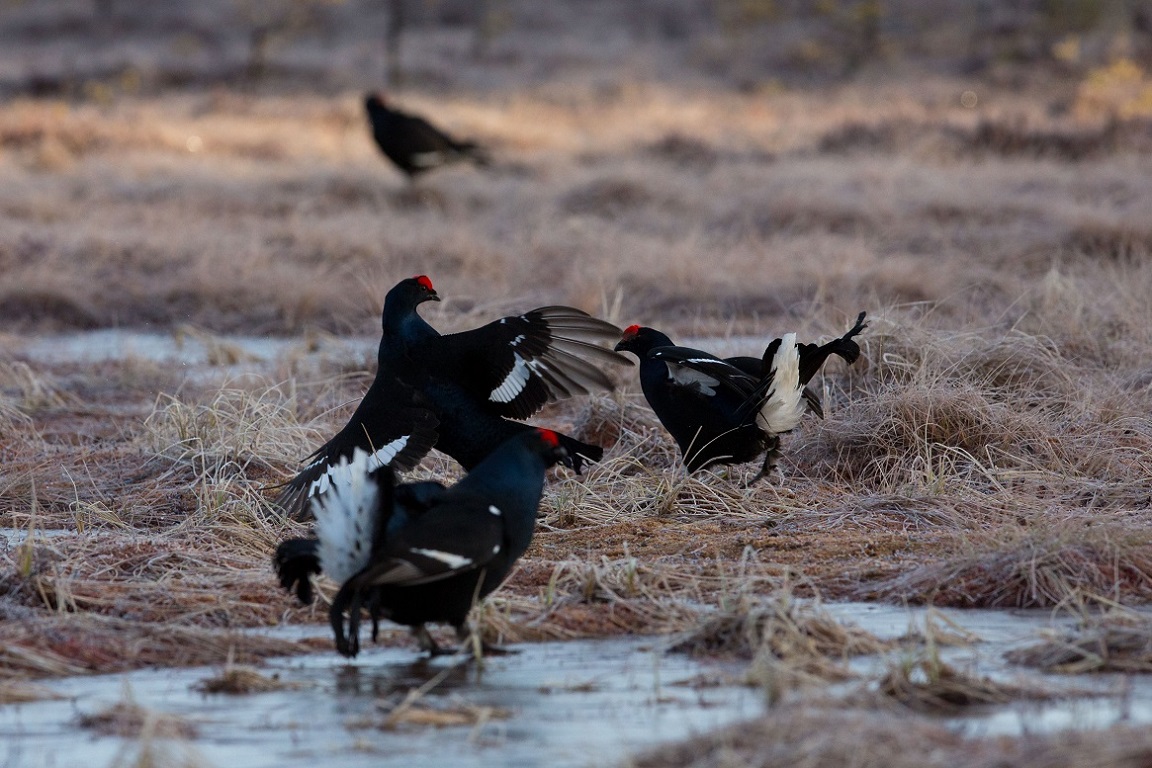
199,355
1093,700
581,703
117,344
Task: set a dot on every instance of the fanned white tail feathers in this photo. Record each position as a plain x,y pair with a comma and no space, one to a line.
784,405
346,517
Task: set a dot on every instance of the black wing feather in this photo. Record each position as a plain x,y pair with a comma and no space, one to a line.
726,374
465,535
517,364
389,411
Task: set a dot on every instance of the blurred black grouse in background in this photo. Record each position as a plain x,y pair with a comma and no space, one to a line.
457,392
420,552
414,144
732,410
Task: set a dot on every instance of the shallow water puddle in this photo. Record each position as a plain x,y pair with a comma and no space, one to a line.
200,355
116,344
1093,700
577,703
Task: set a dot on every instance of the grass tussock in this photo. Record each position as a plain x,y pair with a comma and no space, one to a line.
1037,562
924,683
233,430
88,643
20,692
870,738
791,644
129,720
238,681
1112,640
791,630
452,712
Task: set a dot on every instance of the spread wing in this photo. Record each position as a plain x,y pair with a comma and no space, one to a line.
517,364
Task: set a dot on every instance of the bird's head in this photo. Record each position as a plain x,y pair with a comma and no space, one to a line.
412,292
638,339
400,303
551,449
375,101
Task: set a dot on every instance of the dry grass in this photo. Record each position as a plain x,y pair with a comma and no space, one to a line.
791,644
924,683
19,692
711,175
1110,640
240,680
856,738
793,631
129,720
454,711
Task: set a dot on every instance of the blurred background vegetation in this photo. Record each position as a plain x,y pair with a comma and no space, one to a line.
100,49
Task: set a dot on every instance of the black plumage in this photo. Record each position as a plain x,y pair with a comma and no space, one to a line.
421,553
460,391
414,145
398,435
730,411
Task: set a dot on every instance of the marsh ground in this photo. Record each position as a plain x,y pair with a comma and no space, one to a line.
724,172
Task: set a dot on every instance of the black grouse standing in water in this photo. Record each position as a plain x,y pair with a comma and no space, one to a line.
421,552
413,144
458,391
732,410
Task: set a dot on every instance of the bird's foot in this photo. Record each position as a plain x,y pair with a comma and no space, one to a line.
429,645
348,646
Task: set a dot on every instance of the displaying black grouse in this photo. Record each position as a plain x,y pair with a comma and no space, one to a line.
413,144
421,553
730,411
458,391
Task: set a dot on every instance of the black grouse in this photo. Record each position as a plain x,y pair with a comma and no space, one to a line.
458,391
730,411
420,552
413,144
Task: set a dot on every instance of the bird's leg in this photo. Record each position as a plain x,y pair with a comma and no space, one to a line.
374,612
354,623
770,459
427,643
346,645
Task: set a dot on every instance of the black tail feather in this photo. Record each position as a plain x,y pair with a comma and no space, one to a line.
296,561
813,356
